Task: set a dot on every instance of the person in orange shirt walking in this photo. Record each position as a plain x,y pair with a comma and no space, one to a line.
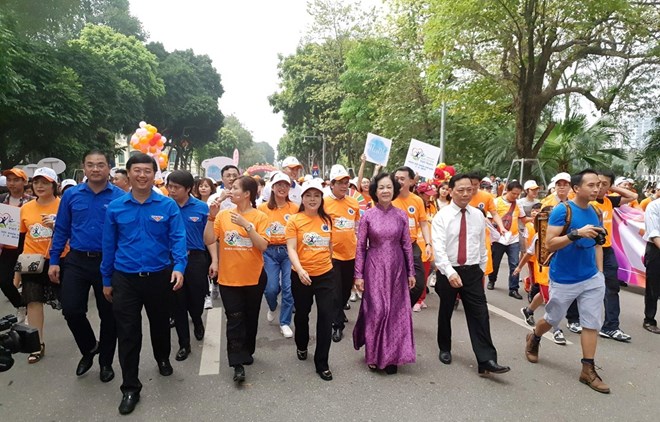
309,242
345,214
242,279
279,209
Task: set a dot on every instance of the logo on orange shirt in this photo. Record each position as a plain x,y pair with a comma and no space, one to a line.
411,209
313,239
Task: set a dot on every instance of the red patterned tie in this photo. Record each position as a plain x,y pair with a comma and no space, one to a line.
462,240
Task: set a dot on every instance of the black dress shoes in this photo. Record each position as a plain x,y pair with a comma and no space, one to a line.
128,403
337,334
514,294
445,357
165,368
86,361
391,369
492,367
325,375
198,331
239,373
107,374
182,354
490,285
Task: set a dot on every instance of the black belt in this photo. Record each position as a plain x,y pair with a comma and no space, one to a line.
465,267
143,274
196,252
86,254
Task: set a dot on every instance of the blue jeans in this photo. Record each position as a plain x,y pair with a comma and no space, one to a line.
278,270
513,255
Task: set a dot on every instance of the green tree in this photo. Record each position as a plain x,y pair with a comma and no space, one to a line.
649,154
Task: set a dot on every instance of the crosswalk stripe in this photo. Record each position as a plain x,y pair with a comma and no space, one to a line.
518,320
210,360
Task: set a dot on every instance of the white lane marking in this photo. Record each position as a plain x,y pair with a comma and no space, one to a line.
518,320
210,361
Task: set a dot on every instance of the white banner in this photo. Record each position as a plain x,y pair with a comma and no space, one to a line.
422,158
10,218
377,149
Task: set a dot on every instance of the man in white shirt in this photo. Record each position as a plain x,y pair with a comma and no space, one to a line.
652,262
459,245
229,173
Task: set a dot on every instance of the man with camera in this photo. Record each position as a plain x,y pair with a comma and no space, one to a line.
576,273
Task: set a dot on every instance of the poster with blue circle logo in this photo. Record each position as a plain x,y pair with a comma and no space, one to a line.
377,149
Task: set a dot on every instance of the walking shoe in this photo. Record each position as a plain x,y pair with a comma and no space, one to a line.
490,285
215,291
286,331
417,307
353,297
347,306
528,316
652,328
574,327
21,314
532,348
359,295
617,335
514,294
337,334
424,305
239,374
208,302
590,377
270,315
558,337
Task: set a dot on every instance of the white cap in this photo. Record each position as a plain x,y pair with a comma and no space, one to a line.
561,176
487,179
3,180
291,162
308,177
68,182
530,184
353,181
619,180
312,184
45,172
338,172
551,185
280,177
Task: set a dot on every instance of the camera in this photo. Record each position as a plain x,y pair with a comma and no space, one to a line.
16,338
601,237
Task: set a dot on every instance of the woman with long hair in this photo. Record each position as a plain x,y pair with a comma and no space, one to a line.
309,243
37,223
385,272
276,259
241,279
204,188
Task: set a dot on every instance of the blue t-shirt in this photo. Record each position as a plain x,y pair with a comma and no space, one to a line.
577,261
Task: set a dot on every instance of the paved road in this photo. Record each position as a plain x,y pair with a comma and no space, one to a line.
281,388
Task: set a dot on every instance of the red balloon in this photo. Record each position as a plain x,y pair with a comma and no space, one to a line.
157,136
153,141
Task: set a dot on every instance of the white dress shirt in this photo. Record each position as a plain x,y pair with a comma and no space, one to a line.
445,230
224,205
652,220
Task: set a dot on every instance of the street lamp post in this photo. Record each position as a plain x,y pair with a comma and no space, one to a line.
443,111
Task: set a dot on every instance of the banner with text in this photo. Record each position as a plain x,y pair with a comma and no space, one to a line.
10,218
422,158
377,149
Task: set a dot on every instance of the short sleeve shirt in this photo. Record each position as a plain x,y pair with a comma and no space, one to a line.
313,239
345,214
277,221
414,207
37,236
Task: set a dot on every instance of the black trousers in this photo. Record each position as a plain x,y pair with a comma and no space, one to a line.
242,306
323,288
130,293
79,272
345,276
190,298
476,311
652,291
8,260
420,279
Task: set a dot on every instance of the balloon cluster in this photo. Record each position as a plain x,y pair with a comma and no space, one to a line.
443,172
147,140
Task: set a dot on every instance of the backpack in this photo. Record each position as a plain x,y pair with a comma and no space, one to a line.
543,255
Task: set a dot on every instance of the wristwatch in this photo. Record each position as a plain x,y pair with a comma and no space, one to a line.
249,228
573,235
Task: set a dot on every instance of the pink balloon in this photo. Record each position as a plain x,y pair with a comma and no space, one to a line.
142,124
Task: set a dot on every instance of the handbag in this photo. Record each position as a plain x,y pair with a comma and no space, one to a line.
507,219
30,263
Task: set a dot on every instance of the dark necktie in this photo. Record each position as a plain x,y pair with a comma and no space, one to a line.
462,240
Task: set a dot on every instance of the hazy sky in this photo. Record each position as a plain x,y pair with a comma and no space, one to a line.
243,38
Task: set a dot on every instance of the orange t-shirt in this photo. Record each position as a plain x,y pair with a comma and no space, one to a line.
240,261
345,214
277,220
645,202
503,208
313,240
484,201
607,214
37,236
413,205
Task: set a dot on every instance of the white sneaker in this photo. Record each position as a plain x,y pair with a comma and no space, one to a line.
558,337
286,331
417,307
208,302
21,314
353,297
270,315
574,327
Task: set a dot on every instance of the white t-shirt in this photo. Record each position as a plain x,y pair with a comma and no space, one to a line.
224,205
295,193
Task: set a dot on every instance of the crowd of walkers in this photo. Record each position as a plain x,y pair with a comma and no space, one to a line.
170,246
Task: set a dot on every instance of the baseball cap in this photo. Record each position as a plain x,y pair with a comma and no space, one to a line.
45,172
68,182
312,184
280,177
338,172
561,176
353,181
551,185
487,179
3,181
426,188
16,172
530,184
291,162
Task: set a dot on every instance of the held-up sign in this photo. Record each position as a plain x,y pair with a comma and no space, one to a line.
10,218
422,158
377,149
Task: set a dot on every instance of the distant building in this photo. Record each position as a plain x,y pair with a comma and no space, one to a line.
641,127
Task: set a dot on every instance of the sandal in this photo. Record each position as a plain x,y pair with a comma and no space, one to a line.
372,367
36,356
